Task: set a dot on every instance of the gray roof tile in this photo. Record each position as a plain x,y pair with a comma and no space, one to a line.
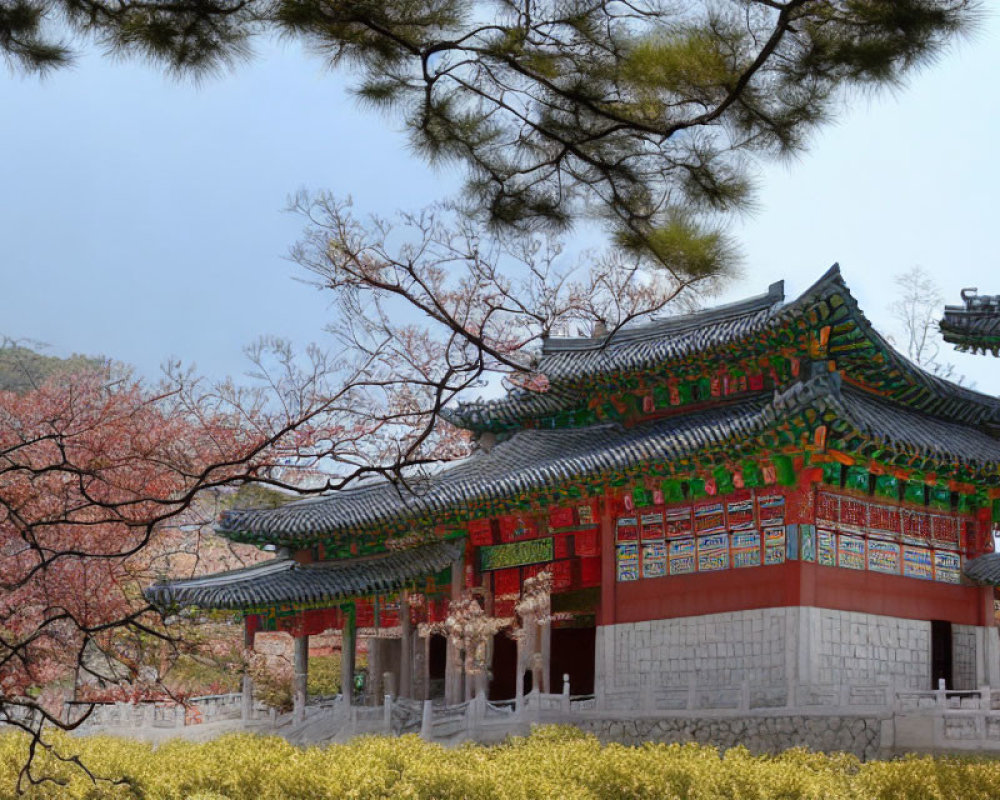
985,569
533,459
567,362
285,581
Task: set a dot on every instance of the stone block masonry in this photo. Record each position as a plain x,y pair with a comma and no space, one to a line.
722,650
780,656
856,648
963,653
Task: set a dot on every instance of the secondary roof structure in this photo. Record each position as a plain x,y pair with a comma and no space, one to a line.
975,326
284,581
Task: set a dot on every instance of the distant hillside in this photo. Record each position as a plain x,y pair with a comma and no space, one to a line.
22,368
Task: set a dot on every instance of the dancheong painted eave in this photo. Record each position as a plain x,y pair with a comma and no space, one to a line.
285,581
572,364
534,460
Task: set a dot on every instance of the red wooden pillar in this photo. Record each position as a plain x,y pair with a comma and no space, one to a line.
606,613
247,698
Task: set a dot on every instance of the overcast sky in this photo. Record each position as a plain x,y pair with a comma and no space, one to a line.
143,216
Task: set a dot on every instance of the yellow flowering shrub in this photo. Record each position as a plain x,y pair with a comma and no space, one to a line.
554,762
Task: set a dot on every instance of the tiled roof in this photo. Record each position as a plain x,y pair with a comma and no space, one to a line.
985,569
974,327
913,432
285,581
932,394
631,348
568,362
533,459
639,347
529,460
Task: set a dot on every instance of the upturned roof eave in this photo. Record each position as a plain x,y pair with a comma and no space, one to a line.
284,581
509,413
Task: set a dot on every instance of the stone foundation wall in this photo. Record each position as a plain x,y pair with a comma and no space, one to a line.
861,736
722,650
786,655
963,656
856,648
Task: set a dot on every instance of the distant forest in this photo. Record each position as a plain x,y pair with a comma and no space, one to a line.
22,368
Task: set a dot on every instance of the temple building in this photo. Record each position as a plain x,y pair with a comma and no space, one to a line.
763,497
974,326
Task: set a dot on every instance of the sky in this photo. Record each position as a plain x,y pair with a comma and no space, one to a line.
143,216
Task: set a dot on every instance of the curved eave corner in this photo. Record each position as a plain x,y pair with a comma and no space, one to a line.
984,569
284,581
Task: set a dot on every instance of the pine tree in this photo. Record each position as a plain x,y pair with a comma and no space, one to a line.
647,113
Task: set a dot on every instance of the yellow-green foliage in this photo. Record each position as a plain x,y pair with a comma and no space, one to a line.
324,673
555,762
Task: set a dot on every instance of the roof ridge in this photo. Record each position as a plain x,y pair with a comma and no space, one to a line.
659,326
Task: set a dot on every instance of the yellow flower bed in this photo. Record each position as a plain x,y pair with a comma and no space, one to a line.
555,762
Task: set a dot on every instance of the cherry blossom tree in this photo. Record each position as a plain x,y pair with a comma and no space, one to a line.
96,469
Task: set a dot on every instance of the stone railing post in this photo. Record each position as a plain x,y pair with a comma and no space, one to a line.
387,712
565,694
985,698
470,715
427,721
980,725
941,695
519,692
300,679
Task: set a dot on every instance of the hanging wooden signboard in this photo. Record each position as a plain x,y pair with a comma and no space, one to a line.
678,522
709,518
918,563
947,567
627,562
654,559
826,548
516,554
746,549
627,529
774,545
681,554
850,551
884,557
